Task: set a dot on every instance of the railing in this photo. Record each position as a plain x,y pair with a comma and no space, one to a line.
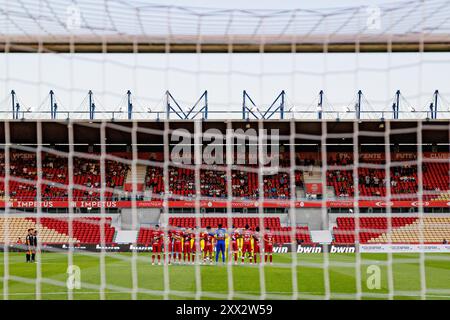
224,114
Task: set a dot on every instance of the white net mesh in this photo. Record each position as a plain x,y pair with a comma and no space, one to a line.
100,181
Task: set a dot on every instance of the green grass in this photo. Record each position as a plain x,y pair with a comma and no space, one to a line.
214,280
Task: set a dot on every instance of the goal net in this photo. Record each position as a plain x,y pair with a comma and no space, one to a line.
313,142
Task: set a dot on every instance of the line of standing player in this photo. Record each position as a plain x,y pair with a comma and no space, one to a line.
184,245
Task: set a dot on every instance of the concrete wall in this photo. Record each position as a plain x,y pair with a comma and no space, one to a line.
144,216
149,216
312,217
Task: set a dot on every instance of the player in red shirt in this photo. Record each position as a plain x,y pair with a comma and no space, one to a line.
268,245
256,245
156,237
177,236
247,236
208,237
234,247
168,246
196,248
187,237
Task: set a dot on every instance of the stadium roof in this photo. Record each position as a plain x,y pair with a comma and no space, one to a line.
151,133
134,26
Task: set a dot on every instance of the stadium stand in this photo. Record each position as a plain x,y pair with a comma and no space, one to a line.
56,230
403,179
86,174
403,230
17,228
374,230
434,230
372,181
244,184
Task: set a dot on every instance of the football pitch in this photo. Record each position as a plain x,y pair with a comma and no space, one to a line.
115,276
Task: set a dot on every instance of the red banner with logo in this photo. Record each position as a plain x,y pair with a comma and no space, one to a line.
313,188
223,204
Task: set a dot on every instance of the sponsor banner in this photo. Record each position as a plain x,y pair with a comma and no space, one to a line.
307,155
364,248
80,247
373,156
404,156
223,204
403,248
61,204
284,248
114,247
436,155
314,248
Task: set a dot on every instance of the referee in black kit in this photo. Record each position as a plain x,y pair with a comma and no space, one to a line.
34,245
29,243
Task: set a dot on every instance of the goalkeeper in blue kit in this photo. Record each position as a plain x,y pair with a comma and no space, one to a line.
220,235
